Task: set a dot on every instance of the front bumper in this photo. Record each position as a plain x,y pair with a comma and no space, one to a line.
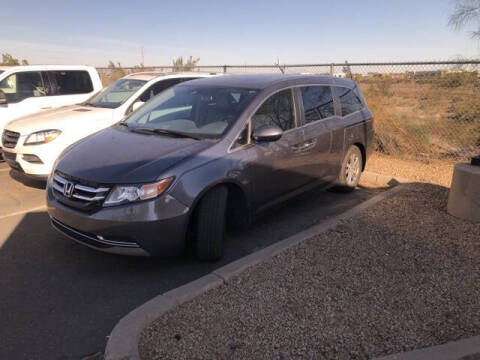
155,227
15,160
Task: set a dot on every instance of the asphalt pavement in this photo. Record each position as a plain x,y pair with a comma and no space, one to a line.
59,300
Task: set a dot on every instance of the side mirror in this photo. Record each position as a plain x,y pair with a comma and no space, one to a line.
3,98
267,133
136,105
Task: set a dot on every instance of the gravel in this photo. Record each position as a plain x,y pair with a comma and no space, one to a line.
401,275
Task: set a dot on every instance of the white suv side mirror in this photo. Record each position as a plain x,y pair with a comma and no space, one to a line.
136,105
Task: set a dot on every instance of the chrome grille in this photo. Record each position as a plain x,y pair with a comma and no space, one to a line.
10,138
77,194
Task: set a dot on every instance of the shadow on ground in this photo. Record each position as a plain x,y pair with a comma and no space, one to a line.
60,299
25,180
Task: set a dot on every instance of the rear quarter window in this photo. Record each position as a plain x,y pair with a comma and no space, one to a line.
349,101
71,82
317,102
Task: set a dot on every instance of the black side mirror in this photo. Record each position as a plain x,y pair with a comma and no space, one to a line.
3,98
267,133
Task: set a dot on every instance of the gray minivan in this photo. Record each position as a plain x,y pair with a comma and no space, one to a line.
205,155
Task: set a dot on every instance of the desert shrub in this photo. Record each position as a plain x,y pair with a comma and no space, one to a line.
464,110
380,86
458,79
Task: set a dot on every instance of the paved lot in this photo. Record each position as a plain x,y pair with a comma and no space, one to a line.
59,300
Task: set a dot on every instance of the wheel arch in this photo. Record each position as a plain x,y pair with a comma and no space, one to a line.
364,153
237,200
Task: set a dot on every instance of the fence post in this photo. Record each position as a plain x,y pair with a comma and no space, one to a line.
331,70
224,68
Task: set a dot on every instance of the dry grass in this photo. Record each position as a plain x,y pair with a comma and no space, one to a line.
434,171
428,118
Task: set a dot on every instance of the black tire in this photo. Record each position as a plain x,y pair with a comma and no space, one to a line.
211,223
351,170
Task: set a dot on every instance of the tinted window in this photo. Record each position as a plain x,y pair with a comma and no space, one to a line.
359,94
71,82
276,110
204,112
22,85
317,102
349,101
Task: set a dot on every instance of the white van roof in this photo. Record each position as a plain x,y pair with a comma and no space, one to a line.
45,67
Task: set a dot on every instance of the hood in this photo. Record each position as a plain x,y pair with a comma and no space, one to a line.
59,118
119,156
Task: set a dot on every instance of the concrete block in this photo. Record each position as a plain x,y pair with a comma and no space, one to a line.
464,197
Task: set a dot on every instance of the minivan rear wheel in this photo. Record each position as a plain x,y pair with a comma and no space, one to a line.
351,170
211,223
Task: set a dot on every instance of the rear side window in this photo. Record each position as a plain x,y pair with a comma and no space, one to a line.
276,110
71,82
348,99
317,102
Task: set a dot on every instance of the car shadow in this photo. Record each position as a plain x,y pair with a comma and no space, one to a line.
25,180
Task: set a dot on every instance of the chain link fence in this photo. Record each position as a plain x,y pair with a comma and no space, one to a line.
421,109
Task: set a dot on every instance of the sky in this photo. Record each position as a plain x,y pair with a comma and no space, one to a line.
231,32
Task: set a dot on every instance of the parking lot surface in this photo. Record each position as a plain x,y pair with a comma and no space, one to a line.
59,300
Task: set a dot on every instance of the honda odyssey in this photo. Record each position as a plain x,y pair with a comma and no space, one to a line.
208,154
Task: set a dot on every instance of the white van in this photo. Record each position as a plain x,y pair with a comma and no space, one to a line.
32,144
25,90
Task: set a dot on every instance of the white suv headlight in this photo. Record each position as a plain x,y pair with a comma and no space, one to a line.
130,193
42,137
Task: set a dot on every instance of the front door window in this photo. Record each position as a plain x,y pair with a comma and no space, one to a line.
22,85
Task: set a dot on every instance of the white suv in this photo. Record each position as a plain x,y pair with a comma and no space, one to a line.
25,90
32,144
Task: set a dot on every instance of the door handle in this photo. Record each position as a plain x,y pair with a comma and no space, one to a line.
304,146
46,107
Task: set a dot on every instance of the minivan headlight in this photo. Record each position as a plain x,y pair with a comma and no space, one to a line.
42,137
130,193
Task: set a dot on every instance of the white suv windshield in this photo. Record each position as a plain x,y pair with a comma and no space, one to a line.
201,112
116,94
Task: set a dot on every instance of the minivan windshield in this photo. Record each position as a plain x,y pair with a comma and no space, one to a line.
116,94
195,111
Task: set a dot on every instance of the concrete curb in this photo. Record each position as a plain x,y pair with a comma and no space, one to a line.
123,341
381,179
457,350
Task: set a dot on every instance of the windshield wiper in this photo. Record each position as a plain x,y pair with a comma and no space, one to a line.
165,132
123,123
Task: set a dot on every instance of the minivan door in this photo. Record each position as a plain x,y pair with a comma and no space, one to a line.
275,164
317,110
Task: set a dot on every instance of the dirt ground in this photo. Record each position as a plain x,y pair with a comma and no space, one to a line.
438,172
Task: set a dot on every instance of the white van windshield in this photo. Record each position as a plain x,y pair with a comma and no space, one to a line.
116,94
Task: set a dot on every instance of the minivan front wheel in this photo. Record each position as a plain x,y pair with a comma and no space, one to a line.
351,170
211,223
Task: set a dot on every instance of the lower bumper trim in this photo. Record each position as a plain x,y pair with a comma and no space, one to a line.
98,242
